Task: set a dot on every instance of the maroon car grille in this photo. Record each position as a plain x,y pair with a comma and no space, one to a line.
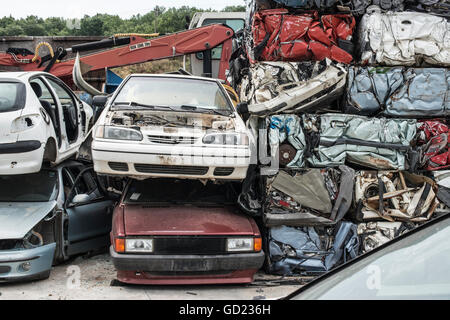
189,245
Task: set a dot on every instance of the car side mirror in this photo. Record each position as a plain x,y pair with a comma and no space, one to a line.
242,109
80,198
99,101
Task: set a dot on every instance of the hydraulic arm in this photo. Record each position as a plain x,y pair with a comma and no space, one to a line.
122,51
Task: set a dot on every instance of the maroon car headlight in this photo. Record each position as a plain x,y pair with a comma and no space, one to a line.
240,244
139,245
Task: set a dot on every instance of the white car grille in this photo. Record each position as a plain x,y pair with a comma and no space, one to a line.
172,139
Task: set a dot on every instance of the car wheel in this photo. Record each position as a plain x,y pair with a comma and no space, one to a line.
50,151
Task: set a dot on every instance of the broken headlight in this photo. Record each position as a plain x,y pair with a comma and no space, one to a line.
139,245
32,240
226,138
118,133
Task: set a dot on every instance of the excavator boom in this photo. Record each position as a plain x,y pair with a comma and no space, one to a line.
132,50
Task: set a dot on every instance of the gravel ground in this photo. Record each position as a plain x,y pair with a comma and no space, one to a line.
97,282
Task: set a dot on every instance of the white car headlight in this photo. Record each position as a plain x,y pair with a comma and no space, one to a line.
118,133
226,138
24,123
138,245
240,244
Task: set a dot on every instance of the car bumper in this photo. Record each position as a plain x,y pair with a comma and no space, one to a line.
21,158
187,269
40,260
140,160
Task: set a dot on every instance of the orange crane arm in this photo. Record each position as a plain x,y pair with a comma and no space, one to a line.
137,50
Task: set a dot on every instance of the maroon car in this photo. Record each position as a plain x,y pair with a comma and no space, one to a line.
168,231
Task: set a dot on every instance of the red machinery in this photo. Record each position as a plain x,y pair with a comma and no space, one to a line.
122,51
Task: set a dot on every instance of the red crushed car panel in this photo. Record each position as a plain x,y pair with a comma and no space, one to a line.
435,140
301,37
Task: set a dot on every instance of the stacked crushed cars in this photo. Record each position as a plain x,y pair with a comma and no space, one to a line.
350,100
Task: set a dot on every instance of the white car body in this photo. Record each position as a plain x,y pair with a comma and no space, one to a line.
168,149
28,135
404,39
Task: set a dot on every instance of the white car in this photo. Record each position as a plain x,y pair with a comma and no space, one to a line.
41,119
171,126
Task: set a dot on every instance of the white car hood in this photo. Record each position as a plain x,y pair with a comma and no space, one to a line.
18,218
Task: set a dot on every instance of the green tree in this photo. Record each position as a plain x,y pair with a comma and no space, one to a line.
90,26
12,30
234,9
161,19
33,26
55,26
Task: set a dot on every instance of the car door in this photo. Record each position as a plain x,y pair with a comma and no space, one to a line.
89,214
72,113
49,103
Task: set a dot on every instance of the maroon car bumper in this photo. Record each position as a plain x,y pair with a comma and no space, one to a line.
187,269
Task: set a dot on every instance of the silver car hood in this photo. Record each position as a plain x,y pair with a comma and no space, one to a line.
18,218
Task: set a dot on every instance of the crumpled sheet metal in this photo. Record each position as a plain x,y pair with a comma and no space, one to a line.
359,7
275,87
310,197
301,250
434,141
394,196
404,38
287,128
378,143
442,179
398,92
307,4
278,35
374,234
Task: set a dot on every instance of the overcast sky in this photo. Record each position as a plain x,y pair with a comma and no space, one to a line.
78,8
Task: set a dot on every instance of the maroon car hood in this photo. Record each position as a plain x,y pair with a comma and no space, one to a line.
184,220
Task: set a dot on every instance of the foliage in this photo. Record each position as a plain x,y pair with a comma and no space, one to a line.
160,19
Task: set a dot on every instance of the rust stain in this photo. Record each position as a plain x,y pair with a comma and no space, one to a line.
379,163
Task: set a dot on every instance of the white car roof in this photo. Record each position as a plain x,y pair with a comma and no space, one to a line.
20,75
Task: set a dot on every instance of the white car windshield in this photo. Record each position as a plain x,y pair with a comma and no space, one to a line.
173,92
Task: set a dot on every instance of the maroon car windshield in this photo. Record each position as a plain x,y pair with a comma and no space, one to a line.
173,191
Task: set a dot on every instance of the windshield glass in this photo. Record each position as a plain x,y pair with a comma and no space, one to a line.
170,191
12,96
173,92
35,187
415,267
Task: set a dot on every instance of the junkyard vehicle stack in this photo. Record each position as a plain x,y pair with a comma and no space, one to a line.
350,103
344,146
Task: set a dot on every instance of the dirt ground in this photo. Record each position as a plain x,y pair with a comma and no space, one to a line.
93,278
